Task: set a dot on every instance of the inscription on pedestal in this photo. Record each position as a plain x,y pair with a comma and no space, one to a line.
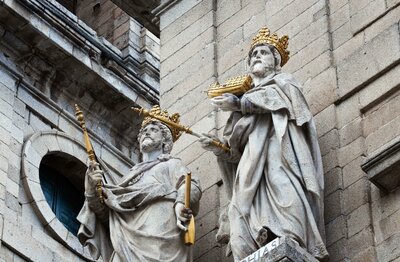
280,249
256,256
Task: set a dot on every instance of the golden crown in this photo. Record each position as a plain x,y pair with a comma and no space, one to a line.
160,115
281,44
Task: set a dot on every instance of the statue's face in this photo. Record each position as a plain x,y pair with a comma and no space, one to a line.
151,139
262,61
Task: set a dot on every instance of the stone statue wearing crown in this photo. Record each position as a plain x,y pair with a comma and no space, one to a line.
141,216
273,172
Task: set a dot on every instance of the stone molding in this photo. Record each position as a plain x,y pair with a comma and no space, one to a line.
142,10
34,149
85,46
163,7
52,112
383,166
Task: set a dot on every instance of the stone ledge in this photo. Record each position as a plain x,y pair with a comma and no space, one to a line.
383,165
280,249
92,52
142,10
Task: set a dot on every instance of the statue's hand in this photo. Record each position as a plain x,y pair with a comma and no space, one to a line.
205,142
94,175
183,215
226,102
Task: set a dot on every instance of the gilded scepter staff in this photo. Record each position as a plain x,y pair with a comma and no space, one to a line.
89,148
179,127
190,233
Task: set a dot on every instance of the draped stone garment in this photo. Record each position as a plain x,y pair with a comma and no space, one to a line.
274,170
137,221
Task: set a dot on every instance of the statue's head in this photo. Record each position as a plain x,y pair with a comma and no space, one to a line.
268,52
264,59
154,136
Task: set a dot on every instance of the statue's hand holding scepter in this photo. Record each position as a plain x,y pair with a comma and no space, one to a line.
184,215
94,171
94,178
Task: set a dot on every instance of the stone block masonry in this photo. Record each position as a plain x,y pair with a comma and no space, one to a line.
46,66
346,55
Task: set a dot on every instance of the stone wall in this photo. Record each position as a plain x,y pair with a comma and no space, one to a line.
140,48
346,54
50,60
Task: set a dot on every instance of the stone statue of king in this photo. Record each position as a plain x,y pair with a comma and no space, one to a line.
273,172
141,216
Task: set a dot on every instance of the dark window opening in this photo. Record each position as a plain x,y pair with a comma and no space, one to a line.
69,4
61,179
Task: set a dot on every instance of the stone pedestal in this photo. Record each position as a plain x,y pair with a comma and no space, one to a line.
280,249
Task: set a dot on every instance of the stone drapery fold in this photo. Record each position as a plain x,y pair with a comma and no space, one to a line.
273,173
141,221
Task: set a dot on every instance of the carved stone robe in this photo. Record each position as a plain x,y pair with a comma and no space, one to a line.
137,222
274,170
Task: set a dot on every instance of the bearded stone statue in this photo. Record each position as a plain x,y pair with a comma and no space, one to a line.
273,172
142,215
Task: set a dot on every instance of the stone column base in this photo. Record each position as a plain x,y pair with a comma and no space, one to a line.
281,249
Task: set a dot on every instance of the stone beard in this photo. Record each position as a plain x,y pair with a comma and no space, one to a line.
138,220
262,61
273,173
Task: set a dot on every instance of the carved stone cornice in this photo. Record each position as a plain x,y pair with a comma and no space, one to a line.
147,12
164,6
383,167
67,32
142,11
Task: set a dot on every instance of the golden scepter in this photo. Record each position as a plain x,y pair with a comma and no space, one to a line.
89,148
179,127
190,233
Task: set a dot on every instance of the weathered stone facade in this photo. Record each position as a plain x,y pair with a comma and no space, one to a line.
346,54
51,59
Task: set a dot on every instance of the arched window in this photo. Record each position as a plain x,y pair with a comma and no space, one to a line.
61,181
53,173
